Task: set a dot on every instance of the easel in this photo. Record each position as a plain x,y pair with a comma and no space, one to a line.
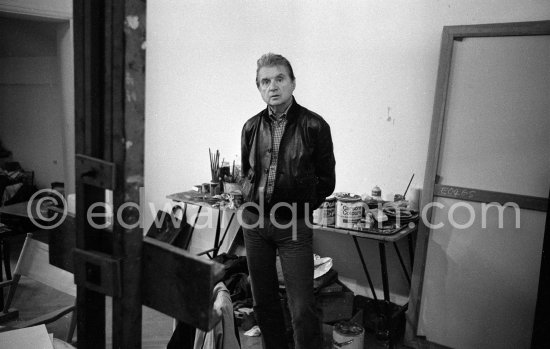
117,261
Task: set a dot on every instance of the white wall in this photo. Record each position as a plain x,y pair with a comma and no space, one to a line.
30,98
368,68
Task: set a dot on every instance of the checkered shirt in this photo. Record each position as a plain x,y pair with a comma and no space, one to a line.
277,130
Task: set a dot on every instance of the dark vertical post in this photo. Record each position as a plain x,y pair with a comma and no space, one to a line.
90,303
88,41
109,40
128,101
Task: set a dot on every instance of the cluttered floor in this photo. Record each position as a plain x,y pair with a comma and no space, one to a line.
157,328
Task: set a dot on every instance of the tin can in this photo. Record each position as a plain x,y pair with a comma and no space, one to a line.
376,192
349,211
326,212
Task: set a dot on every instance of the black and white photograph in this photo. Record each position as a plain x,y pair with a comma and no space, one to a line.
378,174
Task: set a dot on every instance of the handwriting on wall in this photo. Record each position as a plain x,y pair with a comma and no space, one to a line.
455,192
478,195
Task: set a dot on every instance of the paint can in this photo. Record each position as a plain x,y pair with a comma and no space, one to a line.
349,210
348,335
214,188
237,198
376,193
326,212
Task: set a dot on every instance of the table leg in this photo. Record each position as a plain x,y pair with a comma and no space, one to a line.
385,285
402,263
365,269
411,249
217,237
239,239
383,262
188,237
226,229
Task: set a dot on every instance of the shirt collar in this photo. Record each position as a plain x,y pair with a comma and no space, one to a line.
276,117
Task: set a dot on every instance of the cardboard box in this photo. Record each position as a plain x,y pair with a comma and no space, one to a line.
335,306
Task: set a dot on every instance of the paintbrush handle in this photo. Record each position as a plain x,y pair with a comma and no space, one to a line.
408,185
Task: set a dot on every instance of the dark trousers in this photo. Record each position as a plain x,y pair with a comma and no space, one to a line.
296,255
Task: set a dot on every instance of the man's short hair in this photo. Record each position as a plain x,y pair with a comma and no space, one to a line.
271,60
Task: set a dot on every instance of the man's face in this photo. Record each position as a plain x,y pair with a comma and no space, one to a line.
275,86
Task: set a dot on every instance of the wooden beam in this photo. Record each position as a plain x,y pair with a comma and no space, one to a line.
89,40
498,29
127,107
110,107
422,239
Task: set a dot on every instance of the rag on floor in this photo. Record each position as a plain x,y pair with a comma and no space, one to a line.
222,335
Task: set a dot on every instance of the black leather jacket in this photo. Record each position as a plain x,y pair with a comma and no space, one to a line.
305,168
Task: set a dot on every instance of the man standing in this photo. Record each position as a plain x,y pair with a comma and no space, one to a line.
288,164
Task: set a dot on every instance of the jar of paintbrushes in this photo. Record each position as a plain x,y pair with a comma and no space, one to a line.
215,171
224,176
